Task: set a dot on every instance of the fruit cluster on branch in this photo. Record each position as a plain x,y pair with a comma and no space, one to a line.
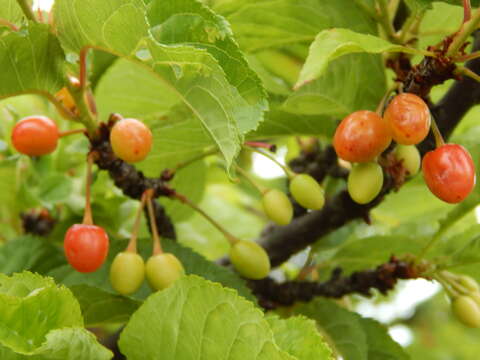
272,294
282,242
131,181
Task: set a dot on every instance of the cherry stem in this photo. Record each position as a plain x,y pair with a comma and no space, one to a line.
290,174
461,70
157,245
385,21
27,10
385,97
79,93
474,55
71,132
257,144
9,24
437,134
188,162
231,239
87,216
467,11
249,178
132,244
83,67
465,31
452,293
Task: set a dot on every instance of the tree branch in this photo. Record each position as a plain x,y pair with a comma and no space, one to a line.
383,278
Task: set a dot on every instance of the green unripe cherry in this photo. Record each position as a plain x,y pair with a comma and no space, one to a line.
307,191
127,272
277,206
410,157
469,283
250,259
163,270
467,311
365,182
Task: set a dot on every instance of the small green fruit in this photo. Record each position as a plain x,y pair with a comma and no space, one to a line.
127,272
250,259
277,206
469,283
410,157
365,182
467,311
307,192
163,270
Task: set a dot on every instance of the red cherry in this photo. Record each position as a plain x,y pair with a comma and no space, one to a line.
361,136
35,136
86,247
409,118
449,172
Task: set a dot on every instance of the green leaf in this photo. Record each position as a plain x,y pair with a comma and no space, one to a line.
190,22
264,24
55,188
31,61
328,95
195,318
340,326
300,338
29,253
10,11
8,183
281,123
130,89
380,344
64,344
100,306
30,307
198,77
195,76
101,24
334,43
351,335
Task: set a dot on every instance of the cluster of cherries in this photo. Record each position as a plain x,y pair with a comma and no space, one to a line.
464,294
362,136
86,245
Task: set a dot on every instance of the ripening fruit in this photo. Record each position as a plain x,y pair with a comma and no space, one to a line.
409,118
410,157
250,259
163,270
307,191
277,206
35,136
361,136
449,172
467,311
127,272
365,182
469,283
86,247
131,140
